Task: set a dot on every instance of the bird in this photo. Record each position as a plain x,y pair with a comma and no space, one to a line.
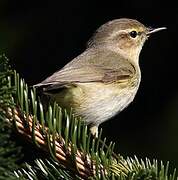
104,79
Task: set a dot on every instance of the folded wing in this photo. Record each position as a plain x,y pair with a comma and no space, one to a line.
91,66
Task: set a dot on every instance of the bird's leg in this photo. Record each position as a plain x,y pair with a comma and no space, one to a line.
94,130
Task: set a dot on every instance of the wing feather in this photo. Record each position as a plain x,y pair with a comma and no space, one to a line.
91,66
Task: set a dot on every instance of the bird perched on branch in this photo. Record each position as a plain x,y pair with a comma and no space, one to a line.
103,80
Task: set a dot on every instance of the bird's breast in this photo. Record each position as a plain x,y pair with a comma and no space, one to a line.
99,102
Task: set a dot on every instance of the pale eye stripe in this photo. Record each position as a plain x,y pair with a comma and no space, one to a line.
116,33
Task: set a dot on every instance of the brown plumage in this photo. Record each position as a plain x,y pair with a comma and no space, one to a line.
104,79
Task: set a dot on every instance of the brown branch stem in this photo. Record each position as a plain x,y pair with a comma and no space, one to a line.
85,167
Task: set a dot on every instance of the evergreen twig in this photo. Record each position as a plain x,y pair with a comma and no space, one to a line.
75,153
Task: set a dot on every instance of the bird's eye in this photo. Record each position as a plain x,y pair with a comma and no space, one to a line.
133,34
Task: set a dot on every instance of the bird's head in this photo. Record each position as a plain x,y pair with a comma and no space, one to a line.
125,35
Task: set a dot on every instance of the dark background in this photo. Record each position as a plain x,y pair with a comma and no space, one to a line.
40,37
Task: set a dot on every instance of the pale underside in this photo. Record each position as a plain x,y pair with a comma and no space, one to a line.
98,102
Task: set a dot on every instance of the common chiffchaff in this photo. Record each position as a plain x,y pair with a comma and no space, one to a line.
104,79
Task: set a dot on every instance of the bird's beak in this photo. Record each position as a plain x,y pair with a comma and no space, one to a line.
153,30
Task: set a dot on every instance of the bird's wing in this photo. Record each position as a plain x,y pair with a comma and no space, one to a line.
100,66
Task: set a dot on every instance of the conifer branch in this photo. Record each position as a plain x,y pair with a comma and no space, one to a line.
66,139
